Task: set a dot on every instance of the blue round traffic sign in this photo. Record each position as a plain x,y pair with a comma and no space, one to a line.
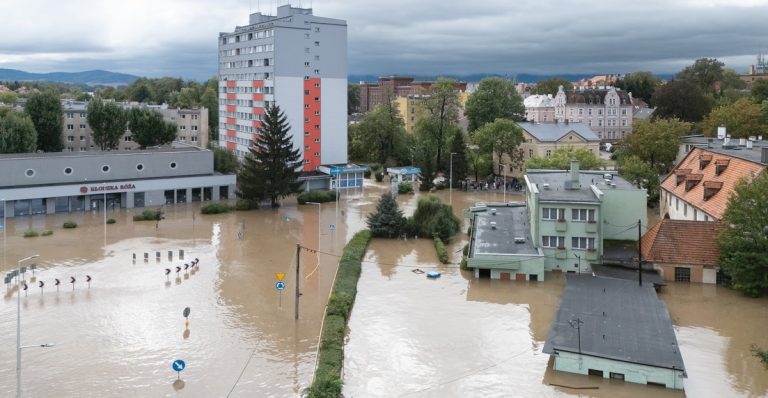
280,286
178,365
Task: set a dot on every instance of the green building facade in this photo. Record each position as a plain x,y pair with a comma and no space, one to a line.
572,212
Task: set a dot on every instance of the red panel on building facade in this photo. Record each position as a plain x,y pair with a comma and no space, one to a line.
231,146
258,83
258,111
231,133
312,124
231,96
258,97
230,108
231,120
231,83
256,124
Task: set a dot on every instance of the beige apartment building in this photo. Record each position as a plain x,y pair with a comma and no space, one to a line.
606,111
192,126
542,139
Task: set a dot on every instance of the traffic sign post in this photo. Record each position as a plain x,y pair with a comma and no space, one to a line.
178,365
280,286
331,227
186,316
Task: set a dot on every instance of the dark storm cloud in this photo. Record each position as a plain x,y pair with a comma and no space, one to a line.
178,38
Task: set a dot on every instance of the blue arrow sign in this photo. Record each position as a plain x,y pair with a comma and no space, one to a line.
280,286
178,365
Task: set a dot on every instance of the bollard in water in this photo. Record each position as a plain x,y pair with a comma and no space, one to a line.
134,256
170,254
157,255
146,256
181,254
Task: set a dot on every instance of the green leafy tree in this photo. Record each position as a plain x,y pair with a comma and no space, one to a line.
108,122
210,101
655,142
682,100
501,137
641,174
378,137
704,73
552,85
641,84
148,128
744,239
441,109
435,219
188,97
561,159
480,164
17,133
140,91
9,97
459,150
426,161
387,221
742,119
47,115
353,98
731,81
494,98
272,163
760,90
224,161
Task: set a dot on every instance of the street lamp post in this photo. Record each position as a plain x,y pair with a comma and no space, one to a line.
579,266
319,205
104,188
450,181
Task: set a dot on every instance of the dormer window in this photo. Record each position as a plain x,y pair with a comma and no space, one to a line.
692,180
704,160
721,165
711,188
681,173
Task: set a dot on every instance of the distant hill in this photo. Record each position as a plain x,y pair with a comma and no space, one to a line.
520,78
90,77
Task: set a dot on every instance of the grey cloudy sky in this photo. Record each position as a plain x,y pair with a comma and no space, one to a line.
178,37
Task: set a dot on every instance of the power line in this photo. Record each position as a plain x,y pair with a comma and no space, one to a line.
241,372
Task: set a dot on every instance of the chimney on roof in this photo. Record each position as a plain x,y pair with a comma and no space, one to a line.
573,181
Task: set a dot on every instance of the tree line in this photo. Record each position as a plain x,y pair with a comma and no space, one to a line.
39,127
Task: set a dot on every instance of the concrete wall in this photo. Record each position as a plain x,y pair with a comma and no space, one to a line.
333,121
50,169
509,263
678,209
621,208
633,373
699,274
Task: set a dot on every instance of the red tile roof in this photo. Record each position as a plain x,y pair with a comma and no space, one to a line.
732,169
682,242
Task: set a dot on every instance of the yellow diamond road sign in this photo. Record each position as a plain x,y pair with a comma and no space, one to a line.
280,276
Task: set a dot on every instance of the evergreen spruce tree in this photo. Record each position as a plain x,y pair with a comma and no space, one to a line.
271,169
460,164
387,221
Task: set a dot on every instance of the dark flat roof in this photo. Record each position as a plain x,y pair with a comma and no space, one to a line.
511,222
620,320
742,152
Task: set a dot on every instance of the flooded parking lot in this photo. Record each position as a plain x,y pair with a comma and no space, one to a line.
409,336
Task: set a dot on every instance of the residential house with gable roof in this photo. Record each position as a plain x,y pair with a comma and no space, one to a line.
683,250
608,112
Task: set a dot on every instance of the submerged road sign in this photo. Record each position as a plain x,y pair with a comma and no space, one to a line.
280,286
280,276
178,365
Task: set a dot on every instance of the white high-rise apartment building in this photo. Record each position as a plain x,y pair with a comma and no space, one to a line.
297,61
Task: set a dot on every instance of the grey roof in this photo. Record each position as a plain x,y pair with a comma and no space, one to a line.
511,222
643,113
620,320
650,275
557,179
551,132
741,152
44,155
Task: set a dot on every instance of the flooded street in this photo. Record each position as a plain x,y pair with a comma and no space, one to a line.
408,336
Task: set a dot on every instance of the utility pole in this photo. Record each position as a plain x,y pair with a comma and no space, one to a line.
639,253
298,256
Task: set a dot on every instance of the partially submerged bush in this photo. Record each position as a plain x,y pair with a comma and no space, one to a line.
215,208
46,233
442,252
111,221
404,187
149,215
317,196
31,233
70,224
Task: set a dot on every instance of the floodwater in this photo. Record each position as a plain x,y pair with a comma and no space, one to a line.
455,336
462,337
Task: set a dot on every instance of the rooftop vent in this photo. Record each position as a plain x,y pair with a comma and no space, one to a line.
613,185
546,186
493,224
608,176
519,239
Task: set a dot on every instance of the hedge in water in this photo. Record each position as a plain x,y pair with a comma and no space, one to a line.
327,383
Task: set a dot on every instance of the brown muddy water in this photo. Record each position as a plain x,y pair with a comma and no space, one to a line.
452,337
